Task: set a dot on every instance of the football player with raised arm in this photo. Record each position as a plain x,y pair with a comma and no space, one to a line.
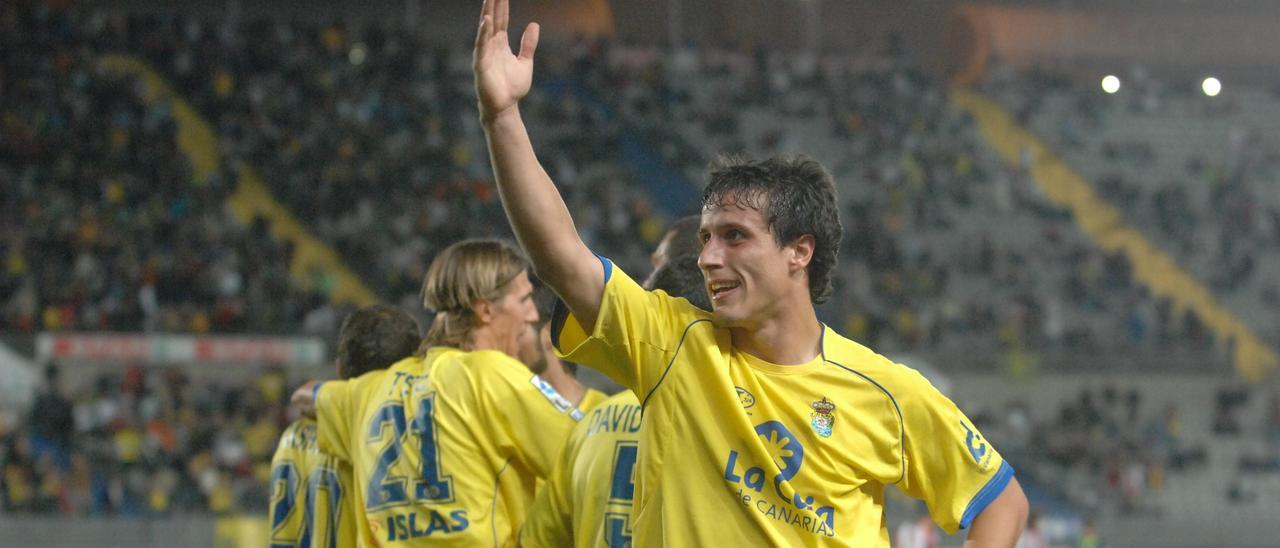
761,424
311,501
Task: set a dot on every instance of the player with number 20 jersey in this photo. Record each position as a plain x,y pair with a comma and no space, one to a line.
308,505
311,501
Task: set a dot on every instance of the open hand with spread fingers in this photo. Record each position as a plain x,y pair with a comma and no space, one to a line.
502,76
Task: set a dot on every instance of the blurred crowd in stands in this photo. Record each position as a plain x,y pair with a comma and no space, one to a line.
1112,448
144,442
1195,174
368,135
105,227
944,244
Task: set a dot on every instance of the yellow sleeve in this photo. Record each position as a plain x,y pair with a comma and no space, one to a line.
635,334
550,520
347,500
947,462
534,419
333,418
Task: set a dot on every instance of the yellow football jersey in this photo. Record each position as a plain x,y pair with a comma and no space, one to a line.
736,451
310,493
587,500
591,399
445,449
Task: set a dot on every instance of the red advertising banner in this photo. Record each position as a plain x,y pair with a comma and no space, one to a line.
161,349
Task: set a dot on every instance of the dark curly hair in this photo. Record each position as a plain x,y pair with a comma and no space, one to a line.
796,195
681,277
374,337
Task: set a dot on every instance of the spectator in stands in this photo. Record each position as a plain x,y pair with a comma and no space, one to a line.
51,421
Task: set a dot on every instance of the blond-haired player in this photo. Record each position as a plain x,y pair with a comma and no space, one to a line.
447,445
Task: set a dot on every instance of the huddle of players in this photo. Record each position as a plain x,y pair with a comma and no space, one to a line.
397,409
760,424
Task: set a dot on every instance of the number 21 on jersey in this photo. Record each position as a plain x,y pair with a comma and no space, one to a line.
386,489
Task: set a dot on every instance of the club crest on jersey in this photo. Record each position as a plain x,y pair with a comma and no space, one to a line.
823,418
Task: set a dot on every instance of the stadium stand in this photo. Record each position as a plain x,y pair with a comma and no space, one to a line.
950,255
147,442
106,227
386,166
946,246
1192,172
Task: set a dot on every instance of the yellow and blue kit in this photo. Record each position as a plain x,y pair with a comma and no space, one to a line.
736,451
446,449
310,493
587,500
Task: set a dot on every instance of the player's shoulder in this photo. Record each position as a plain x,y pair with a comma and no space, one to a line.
620,281
370,378
408,364
495,363
866,363
614,406
489,370
356,389
300,435
623,398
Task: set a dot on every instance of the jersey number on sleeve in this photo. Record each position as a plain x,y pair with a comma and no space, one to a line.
617,525
386,490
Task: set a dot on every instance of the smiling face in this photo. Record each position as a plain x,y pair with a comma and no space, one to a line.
749,277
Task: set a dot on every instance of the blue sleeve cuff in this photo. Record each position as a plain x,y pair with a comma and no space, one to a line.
315,392
607,265
987,494
560,312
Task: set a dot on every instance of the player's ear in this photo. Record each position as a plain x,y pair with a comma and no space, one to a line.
801,252
483,310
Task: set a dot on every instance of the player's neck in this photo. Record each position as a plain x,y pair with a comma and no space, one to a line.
785,339
483,338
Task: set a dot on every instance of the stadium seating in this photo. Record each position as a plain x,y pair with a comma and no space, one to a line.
1191,171
106,227
945,246
368,135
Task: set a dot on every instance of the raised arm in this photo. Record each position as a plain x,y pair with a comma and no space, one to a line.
537,212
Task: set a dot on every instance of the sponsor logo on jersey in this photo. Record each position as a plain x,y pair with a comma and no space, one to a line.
559,402
781,503
745,398
977,447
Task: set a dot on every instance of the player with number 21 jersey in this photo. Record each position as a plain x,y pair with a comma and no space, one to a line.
448,467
